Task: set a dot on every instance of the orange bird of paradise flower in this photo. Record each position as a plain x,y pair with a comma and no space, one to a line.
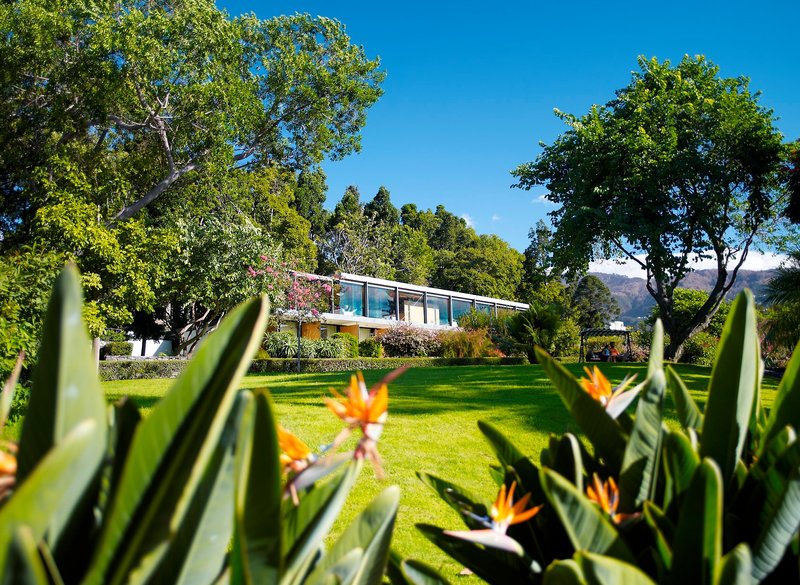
503,514
366,410
295,454
606,495
615,400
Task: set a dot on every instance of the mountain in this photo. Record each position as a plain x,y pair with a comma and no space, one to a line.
635,302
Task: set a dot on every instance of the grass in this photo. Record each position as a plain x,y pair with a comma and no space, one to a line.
432,427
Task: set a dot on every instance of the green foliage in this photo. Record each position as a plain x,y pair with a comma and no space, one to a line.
370,348
700,349
686,302
593,304
715,501
284,345
350,342
692,134
26,277
536,326
141,369
194,493
369,363
116,348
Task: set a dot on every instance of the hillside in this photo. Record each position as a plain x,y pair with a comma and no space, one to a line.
635,302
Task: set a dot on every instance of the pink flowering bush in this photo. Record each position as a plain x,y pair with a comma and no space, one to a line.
406,340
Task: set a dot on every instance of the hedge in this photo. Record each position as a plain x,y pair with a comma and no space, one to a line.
139,369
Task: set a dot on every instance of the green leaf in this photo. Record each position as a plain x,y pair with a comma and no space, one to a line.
52,486
308,524
732,389
689,414
510,456
656,361
65,393
602,431
257,527
567,460
491,565
779,517
197,552
370,531
640,464
663,531
23,565
586,525
417,573
566,572
735,567
173,445
786,408
680,462
458,498
342,572
601,570
697,545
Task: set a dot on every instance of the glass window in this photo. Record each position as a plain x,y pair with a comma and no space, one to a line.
380,302
484,308
350,300
411,308
460,307
438,311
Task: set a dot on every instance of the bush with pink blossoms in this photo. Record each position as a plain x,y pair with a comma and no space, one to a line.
406,340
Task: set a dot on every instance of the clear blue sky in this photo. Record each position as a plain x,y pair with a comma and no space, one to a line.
471,86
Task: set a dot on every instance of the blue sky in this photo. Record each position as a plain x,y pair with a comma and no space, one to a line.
471,86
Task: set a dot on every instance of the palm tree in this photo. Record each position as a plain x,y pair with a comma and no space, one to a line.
785,287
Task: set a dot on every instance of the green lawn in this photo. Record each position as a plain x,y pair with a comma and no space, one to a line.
432,427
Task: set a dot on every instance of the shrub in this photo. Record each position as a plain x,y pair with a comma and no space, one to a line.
699,349
567,340
370,348
280,344
362,363
714,500
350,342
116,348
141,369
406,340
331,348
198,492
465,343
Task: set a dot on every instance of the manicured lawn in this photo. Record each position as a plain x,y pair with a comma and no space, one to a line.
432,427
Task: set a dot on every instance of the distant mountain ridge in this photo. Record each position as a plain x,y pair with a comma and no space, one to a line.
635,302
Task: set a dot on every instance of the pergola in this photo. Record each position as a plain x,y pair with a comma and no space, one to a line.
603,332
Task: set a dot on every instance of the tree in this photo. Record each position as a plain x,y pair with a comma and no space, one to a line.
687,302
348,207
682,164
593,304
489,267
381,208
175,92
537,267
309,195
412,257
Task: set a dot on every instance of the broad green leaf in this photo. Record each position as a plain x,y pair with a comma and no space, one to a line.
697,546
65,393
491,565
735,567
257,530
342,572
601,430
173,445
52,486
586,525
308,524
786,408
601,570
370,531
640,464
197,552
663,532
656,361
566,572
510,456
417,573
125,418
567,460
680,462
732,388
23,565
779,517
458,498
689,414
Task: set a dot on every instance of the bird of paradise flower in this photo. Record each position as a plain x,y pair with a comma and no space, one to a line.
615,400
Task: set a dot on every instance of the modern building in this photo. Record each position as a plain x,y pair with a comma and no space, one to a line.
361,306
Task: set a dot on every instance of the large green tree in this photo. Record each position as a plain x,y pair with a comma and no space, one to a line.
592,303
681,164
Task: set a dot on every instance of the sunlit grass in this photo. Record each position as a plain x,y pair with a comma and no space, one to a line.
432,427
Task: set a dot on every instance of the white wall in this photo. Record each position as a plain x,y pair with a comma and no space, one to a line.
152,347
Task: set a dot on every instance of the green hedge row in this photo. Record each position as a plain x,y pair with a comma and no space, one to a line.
138,369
